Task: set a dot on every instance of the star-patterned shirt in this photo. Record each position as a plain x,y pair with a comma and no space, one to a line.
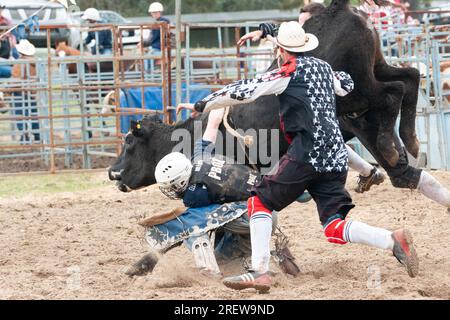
306,87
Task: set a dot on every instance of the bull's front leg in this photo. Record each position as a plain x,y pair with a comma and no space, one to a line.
387,108
410,77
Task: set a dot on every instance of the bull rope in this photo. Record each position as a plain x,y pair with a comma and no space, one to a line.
244,141
247,140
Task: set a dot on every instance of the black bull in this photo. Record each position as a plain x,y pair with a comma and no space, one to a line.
381,91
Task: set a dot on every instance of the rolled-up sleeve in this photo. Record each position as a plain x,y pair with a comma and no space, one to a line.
248,90
268,29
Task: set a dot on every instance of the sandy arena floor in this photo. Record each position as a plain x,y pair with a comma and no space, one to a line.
77,245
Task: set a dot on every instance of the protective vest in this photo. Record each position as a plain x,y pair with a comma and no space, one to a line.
225,181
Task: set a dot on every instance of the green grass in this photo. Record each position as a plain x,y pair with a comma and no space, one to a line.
18,186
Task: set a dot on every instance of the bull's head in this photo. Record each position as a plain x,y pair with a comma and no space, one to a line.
135,166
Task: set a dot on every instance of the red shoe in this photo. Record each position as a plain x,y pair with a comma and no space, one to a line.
404,251
252,279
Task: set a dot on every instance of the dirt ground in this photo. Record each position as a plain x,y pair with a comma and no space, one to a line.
77,245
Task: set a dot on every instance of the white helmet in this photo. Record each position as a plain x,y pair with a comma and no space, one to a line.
155,7
172,174
91,14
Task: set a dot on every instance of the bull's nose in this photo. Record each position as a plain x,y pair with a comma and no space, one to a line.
114,174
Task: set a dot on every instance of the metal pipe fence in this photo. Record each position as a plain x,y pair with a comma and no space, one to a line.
54,117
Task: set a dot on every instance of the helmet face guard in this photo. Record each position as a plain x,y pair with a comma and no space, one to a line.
170,193
175,188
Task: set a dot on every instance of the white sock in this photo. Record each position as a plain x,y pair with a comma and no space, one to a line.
357,163
260,232
432,189
359,232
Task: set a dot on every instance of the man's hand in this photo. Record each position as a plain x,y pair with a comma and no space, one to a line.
187,106
254,36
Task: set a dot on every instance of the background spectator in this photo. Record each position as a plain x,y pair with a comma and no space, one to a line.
7,46
25,101
104,37
155,10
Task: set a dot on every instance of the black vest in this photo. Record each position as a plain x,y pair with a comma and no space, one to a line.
226,181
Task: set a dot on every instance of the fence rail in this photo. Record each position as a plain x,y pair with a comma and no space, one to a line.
53,117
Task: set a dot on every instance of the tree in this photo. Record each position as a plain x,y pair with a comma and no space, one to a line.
132,8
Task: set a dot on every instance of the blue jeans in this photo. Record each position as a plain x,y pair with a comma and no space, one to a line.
150,64
106,51
25,109
5,71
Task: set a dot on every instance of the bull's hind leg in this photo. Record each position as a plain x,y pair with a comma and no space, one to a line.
402,175
410,78
143,266
366,128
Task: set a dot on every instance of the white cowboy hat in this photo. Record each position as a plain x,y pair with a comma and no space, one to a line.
293,38
26,48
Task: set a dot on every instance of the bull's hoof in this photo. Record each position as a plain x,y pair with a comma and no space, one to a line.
391,155
413,146
411,142
393,159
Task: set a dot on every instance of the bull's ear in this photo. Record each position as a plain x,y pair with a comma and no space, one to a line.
136,128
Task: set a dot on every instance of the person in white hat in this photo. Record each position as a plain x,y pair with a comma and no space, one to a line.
369,175
316,160
155,10
104,37
8,42
26,48
25,101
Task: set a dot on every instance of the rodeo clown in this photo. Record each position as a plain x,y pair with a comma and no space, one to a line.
214,190
316,160
369,175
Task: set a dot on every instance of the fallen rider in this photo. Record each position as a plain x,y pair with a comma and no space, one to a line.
214,191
